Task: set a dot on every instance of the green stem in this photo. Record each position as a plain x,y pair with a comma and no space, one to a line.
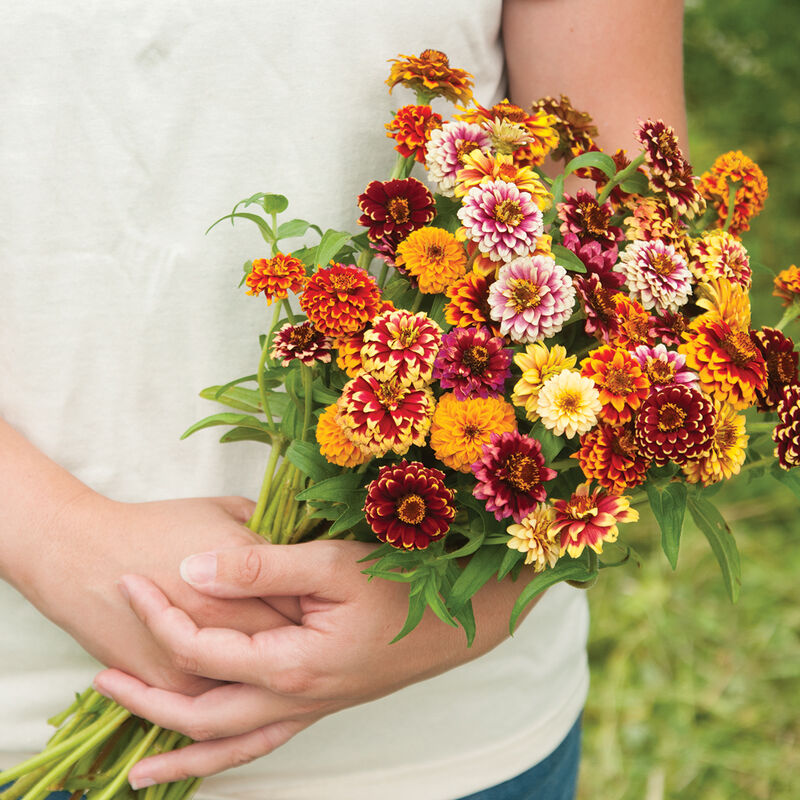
265,528
399,166
122,775
288,309
417,302
262,389
383,273
365,259
760,427
732,189
791,313
308,392
274,233
261,505
619,178
59,719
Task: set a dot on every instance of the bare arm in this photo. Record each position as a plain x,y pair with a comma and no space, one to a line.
619,60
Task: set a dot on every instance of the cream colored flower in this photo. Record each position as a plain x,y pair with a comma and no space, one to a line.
538,363
569,403
532,537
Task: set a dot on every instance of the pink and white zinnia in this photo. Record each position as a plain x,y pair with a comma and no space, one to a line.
502,220
656,275
531,299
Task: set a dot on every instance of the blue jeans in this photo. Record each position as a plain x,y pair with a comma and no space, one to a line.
555,778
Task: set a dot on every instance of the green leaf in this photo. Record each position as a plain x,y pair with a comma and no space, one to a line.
557,190
510,560
263,226
331,243
274,203
348,519
480,568
437,310
435,603
339,489
551,444
635,184
278,403
234,396
719,536
789,478
567,259
236,382
757,266
399,292
322,394
416,610
236,420
293,228
566,569
292,422
669,506
474,541
245,435
308,459
592,159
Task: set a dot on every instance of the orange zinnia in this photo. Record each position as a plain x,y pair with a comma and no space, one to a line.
276,276
430,75
620,380
434,257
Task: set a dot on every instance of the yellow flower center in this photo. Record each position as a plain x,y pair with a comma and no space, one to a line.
436,56
524,295
342,283
302,336
739,347
476,358
666,144
398,209
660,371
618,381
662,264
624,444
405,337
411,509
670,417
510,112
725,436
465,148
581,506
780,366
508,212
569,402
522,472
593,218
389,393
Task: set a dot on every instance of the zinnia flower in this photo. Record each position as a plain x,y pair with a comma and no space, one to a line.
340,300
609,455
652,219
431,75
479,167
664,367
675,423
787,285
461,428
473,363
510,474
727,453
583,220
718,254
502,220
780,356
411,128
727,362
656,275
395,208
787,432
469,301
532,536
568,403
302,341
447,149
380,416
403,345
588,519
433,257
575,129
633,325
408,505
735,167
538,364
531,299
334,444
620,380
599,305
276,276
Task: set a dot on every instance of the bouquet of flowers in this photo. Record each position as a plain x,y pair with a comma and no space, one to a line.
522,369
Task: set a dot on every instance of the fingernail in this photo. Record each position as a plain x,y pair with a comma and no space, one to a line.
141,783
199,569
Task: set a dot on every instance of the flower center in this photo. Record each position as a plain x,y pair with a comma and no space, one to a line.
725,436
405,337
476,358
524,294
624,444
780,367
342,283
471,431
660,371
739,347
662,264
302,335
435,253
594,219
389,393
617,381
411,509
510,112
569,402
465,148
670,417
666,144
522,472
434,55
600,300
580,506
508,212
398,209
637,328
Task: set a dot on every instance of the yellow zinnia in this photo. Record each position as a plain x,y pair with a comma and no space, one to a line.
538,363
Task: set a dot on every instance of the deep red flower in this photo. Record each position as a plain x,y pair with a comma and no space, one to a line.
787,432
584,220
781,360
395,208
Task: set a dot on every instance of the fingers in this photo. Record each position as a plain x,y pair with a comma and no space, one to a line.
240,508
264,570
207,758
270,658
224,711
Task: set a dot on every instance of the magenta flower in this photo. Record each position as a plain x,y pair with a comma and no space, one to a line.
583,220
301,341
510,474
503,221
664,367
531,299
656,275
472,363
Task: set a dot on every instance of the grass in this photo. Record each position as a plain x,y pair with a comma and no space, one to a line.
693,697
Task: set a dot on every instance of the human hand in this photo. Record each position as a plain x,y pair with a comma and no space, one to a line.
285,678
94,541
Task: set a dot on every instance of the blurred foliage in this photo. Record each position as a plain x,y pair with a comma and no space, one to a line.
693,697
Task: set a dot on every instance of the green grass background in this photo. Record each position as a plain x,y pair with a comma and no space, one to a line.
693,697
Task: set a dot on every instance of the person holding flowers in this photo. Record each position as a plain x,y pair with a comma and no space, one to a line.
116,309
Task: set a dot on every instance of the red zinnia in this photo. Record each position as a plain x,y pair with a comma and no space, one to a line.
787,432
781,359
610,456
408,505
620,380
411,129
393,209
276,276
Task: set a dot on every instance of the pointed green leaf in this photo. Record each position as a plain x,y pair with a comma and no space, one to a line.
240,420
245,435
263,226
483,564
719,536
557,190
331,243
234,396
551,444
594,159
510,560
307,458
349,519
338,489
474,541
635,184
789,478
669,507
416,610
293,228
435,602
567,259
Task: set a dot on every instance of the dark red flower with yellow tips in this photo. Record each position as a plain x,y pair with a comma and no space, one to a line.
469,302
409,506
340,299
430,74
610,455
726,360
584,220
510,474
675,423
787,432
411,129
620,380
393,209
277,276
598,304
781,359
735,167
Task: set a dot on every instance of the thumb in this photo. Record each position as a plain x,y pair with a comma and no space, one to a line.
263,570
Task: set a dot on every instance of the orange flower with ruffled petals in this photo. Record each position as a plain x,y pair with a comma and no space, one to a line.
479,167
411,129
434,257
277,276
431,75
787,285
609,455
622,384
334,445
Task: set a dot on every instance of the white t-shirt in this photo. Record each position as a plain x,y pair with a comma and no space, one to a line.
127,127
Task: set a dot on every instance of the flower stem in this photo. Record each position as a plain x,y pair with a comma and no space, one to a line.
262,388
417,302
269,473
383,274
122,774
619,178
791,313
308,392
288,309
